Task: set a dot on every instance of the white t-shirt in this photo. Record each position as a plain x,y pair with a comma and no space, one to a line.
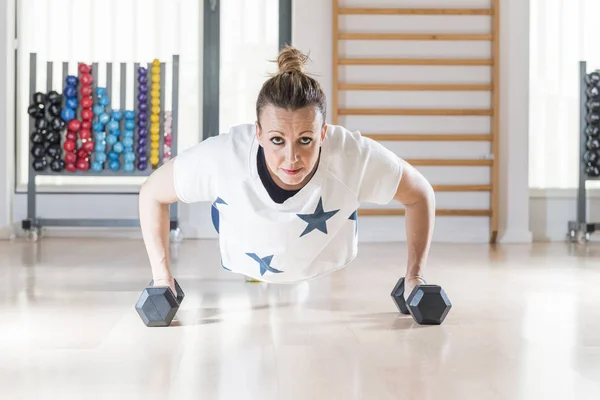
312,233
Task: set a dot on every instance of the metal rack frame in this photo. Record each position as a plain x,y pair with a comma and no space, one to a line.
580,230
33,224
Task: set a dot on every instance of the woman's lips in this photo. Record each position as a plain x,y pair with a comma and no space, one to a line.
291,171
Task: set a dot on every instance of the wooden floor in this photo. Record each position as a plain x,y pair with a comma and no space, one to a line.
525,324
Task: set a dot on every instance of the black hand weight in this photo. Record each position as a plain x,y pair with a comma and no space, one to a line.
39,164
592,171
593,78
428,304
593,118
157,306
54,97
592,131
38,150
39,98
593,144
57,165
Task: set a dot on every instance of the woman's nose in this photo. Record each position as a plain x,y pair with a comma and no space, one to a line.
291,154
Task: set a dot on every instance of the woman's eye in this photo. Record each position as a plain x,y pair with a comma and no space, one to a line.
305,140
277,140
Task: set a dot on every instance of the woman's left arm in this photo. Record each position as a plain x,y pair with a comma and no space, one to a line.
418,198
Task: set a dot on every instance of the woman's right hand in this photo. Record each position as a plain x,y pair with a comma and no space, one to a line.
170,282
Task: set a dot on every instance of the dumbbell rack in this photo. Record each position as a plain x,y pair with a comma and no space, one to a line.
580,230
33,224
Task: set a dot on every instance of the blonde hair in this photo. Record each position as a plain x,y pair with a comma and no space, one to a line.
291,88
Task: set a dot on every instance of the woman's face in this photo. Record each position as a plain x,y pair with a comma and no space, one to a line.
291,141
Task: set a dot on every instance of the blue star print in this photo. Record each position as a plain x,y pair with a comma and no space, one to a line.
264,263
354,217
214,212
317,220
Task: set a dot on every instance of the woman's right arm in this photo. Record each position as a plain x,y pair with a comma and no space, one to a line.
189,177
155,196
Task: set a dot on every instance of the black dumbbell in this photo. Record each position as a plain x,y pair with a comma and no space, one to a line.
53,137
35,111
592,171
593,78
428,304
41,123
39,98
592,131
38,150
593,144
592,92
39,164
593,105
57,124
54,150
57,165
593,118
54,110
37,138
54,98
157,306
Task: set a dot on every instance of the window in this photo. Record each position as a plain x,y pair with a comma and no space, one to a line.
108,31
563,33
245,36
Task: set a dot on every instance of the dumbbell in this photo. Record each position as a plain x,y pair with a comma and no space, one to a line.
593,144
592,171
593,105
428,304
157,306
592,131
592,157
593,92
593,78
592,117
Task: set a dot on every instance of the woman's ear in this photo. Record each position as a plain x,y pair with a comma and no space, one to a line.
257,125
323,132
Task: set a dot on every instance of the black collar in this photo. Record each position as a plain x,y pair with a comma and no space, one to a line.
277,194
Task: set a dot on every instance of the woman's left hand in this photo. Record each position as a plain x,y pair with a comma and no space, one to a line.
411,283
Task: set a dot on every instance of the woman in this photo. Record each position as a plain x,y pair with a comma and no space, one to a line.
285,190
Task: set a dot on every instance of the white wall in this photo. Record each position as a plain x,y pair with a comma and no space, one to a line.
514,121
315,37
552,209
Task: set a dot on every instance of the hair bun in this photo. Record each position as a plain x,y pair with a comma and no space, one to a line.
291,60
